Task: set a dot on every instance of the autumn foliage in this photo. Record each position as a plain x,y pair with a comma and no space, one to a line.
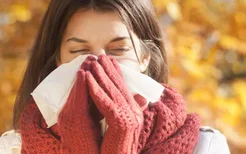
206,48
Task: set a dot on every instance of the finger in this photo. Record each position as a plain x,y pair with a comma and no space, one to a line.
76,105
111,70
106,84
100,98
81,91
116,65
77,101
112,73
86,65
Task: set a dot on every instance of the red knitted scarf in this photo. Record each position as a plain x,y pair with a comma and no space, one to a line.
167,129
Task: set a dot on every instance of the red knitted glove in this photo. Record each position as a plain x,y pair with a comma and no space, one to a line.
79,133
122,113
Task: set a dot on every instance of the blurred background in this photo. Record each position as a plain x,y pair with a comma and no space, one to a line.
206,48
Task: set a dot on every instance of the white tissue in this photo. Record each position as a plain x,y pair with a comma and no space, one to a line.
52,93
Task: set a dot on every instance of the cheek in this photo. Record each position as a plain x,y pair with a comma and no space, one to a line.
65,56
129,62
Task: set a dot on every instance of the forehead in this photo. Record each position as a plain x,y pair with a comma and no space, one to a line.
91,23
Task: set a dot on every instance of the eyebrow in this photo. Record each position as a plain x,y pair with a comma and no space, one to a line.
78,40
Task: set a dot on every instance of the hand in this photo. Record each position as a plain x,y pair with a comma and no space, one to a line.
123,114
77,130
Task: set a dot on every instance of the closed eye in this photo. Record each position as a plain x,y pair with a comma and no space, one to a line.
122,49
88,50
118,51
75,51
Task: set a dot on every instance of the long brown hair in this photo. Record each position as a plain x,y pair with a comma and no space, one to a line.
138,16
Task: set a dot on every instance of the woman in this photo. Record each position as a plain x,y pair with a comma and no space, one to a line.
124,31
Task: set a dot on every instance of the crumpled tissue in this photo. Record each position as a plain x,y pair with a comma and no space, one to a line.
52,93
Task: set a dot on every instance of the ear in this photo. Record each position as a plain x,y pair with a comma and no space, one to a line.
145,62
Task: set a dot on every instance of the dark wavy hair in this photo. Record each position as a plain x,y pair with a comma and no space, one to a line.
138,15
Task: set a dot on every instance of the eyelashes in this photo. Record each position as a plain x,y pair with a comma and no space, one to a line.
76,51
111,51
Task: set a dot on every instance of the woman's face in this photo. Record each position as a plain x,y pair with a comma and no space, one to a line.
91,32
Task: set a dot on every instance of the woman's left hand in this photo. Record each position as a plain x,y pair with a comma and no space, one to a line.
78,131
123,114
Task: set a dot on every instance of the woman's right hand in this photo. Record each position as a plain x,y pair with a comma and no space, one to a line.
112,98
78,131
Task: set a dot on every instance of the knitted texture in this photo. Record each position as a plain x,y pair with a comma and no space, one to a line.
162,127
167,128
75,131
123,115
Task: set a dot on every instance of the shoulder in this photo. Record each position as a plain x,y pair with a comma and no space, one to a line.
10,143
211,141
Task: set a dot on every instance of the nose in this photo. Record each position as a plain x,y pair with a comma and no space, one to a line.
99,52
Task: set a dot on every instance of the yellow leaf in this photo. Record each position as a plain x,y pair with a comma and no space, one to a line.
20,12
